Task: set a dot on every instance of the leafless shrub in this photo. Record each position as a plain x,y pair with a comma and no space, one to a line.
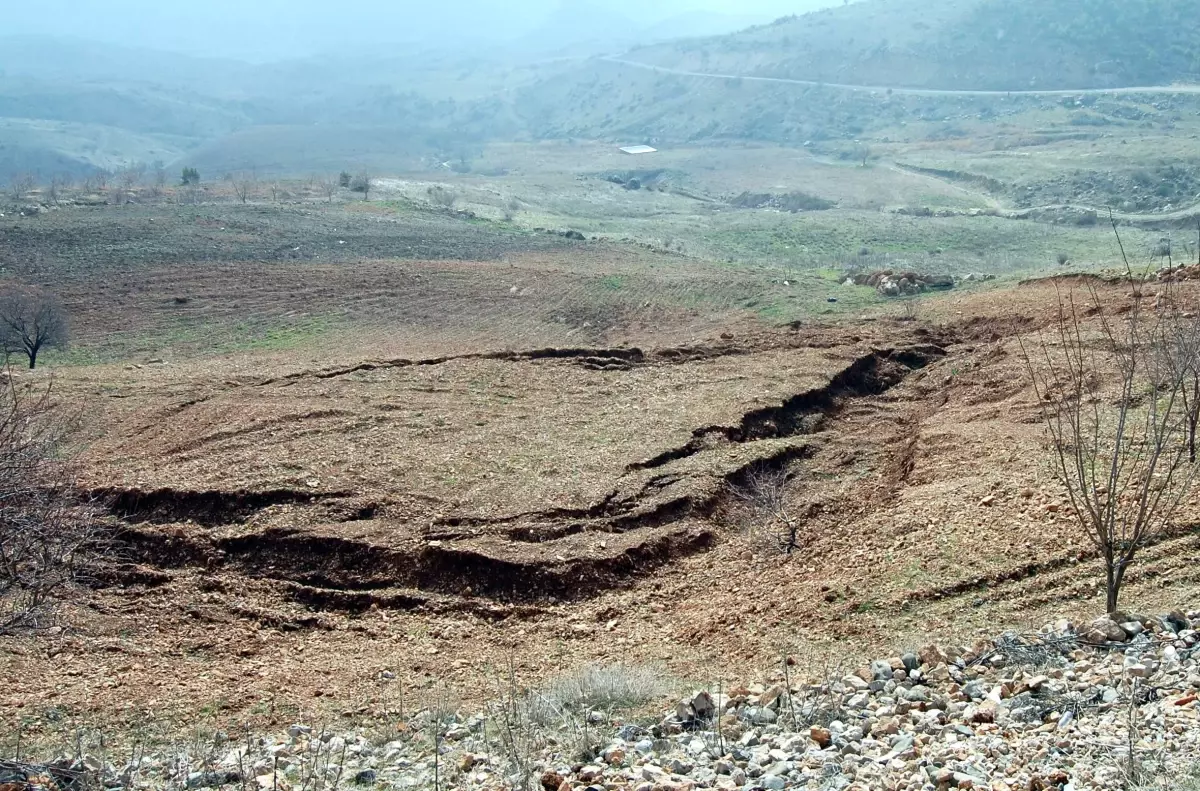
440,196
243,184
30,320
329,187
21,185
1182,352
816,691
58,185
132,176
441,717
763,492
560,713
159,170
599,688
1173,775
46,536
511,208
1121,456
910,309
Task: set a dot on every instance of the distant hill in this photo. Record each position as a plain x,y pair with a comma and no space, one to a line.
961,45
49,59
73,106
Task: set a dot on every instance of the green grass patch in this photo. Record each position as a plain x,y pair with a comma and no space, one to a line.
614,283
199,339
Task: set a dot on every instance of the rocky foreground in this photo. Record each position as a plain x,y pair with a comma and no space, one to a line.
1109,705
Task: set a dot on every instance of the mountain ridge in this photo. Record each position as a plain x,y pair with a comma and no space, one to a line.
960,44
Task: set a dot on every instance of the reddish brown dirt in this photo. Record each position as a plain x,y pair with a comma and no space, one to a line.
293,533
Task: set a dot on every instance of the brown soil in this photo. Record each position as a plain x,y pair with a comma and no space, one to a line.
290,531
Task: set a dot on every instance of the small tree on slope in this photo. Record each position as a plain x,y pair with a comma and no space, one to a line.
31,320
1115,409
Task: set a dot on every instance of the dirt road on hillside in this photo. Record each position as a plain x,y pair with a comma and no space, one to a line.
1165,89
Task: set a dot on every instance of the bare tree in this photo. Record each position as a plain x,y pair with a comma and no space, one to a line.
58,185
243,184
132,176
30,320
47,537
1182,351
329,187
863,153
1113,404
21,185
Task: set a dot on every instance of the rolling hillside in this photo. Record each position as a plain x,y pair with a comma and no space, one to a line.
961,45
380,108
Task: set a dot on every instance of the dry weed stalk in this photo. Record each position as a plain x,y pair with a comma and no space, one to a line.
514,731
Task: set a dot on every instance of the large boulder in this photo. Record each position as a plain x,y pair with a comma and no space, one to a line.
1103,630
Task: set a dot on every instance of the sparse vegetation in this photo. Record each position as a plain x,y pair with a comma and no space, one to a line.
47,538
790,202
21,185
599,688
714,406
441,196
329,187
565,712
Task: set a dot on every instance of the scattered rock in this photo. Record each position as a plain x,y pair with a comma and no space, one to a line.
551,780
1002,714
891,283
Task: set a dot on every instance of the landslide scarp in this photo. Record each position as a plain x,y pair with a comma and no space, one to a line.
350,550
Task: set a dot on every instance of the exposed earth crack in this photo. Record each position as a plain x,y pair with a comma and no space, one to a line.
870,375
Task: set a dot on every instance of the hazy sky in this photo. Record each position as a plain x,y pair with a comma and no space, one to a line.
268,29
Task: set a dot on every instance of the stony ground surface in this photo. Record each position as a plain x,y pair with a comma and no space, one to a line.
1109,704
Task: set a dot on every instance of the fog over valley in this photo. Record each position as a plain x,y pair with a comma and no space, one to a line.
266,30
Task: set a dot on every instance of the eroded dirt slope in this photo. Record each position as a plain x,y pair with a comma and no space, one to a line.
520,477
295,535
